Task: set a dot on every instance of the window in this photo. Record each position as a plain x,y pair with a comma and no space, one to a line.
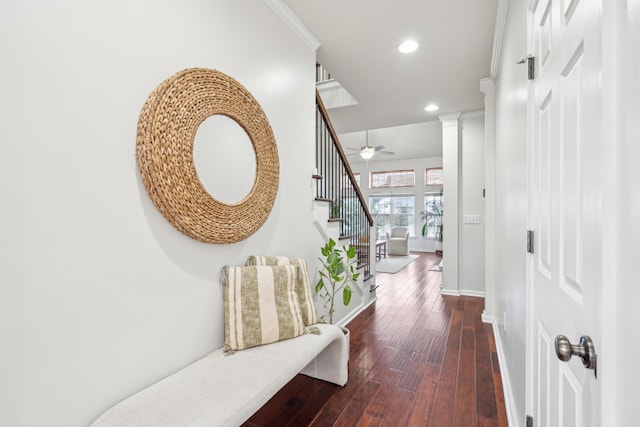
347,184
433,212
393,211
390,179
433,176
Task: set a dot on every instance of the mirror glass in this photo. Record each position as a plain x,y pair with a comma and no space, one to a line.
224,159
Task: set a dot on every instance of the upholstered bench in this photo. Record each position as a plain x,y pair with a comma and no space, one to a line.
225,390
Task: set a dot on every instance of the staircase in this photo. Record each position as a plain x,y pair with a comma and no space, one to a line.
336,185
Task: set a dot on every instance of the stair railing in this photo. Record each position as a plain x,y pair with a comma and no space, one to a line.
336,184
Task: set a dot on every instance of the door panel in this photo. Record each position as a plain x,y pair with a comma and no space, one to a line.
545,350
564,187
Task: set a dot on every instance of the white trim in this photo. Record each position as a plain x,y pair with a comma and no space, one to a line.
349,317
289,18
501,19
451,292
328,85
488,318
533,4
487,86
472,114
472,293
450,119
512,418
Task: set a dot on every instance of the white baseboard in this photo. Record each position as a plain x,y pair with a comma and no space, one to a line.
472,293
509,400
489,318
465,292
451,292
349,317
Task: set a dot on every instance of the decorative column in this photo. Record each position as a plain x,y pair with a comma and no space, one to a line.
451,194
488,88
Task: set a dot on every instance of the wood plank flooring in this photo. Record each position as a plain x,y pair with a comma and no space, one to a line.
417,359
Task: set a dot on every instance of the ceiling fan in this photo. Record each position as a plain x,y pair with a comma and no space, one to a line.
367,152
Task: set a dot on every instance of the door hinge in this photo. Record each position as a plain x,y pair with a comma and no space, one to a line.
530,241
529,421
531,66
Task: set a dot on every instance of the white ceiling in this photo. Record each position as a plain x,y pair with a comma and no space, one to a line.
407,142
359,47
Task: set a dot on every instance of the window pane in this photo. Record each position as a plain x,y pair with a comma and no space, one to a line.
434,176
380,208
404,212
393,211
434,209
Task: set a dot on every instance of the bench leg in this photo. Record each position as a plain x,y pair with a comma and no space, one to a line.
332,364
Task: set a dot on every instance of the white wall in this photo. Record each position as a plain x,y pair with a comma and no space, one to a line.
416,241
511,202
100,295
471,244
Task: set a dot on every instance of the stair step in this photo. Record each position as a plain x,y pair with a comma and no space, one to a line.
361,265
335,220
346,236
322,199
316,176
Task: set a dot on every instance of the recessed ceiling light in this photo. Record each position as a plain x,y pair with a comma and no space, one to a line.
431,107
408,46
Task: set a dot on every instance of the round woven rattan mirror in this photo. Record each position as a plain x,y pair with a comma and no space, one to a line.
166,131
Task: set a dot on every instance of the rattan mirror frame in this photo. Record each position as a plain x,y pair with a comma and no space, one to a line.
167,128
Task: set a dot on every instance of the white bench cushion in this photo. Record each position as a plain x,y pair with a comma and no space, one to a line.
220,390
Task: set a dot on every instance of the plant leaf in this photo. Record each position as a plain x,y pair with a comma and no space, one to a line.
346,295
351,252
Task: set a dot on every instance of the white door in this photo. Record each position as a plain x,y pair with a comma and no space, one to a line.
565,187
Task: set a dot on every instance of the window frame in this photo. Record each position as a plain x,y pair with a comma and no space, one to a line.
426,176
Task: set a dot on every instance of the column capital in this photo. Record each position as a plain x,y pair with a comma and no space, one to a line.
487,86
449,119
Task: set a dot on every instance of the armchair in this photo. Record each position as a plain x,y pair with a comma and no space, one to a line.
398,241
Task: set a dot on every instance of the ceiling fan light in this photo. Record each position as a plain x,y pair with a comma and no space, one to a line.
367,152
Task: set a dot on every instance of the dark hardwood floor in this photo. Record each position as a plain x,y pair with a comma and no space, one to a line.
417,359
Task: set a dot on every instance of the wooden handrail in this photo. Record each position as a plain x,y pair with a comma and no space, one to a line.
343,157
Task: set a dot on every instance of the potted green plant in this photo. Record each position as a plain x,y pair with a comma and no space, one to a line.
336,276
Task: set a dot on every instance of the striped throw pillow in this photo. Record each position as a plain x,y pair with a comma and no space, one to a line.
305,297
260,306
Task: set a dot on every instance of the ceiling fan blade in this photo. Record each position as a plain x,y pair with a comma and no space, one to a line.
388,153
378,148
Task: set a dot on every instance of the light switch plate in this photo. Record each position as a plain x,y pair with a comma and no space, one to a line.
472,219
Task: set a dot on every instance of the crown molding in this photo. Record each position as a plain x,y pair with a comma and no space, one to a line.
289,18
501,19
